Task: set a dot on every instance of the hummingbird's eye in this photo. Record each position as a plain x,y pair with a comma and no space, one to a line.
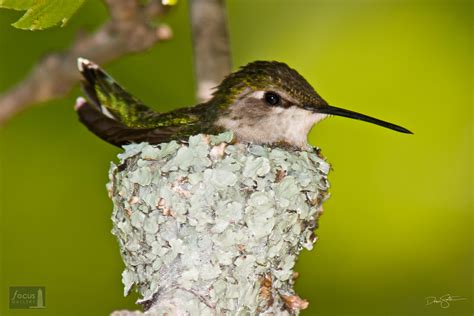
272,98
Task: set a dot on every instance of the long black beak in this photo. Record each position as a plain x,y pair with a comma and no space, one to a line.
332,110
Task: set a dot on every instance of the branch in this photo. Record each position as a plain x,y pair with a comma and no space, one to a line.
211,45
210,228
129,30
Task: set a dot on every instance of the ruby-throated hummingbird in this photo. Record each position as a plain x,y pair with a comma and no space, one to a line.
264,102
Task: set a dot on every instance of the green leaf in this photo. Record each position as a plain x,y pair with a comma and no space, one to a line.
41,14
17,4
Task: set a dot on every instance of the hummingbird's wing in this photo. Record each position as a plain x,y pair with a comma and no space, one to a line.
110,98
115,132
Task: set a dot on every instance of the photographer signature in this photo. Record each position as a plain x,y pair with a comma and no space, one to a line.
443,301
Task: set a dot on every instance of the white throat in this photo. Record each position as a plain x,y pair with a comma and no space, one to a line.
289,125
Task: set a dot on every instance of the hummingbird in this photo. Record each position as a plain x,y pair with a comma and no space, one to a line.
264,102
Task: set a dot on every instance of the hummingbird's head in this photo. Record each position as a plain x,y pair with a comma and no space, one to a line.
269,102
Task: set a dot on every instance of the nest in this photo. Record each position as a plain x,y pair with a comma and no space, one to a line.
211,227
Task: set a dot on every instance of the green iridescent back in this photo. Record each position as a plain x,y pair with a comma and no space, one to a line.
259,75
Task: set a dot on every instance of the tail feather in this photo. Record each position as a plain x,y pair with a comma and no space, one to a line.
110,98
115,132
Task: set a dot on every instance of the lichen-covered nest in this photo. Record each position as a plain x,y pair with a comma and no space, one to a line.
215,227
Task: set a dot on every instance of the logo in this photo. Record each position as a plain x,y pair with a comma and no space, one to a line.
23,297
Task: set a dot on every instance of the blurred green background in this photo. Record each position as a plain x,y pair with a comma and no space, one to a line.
398,226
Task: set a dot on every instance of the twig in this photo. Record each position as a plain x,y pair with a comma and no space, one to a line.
211,45
129,30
